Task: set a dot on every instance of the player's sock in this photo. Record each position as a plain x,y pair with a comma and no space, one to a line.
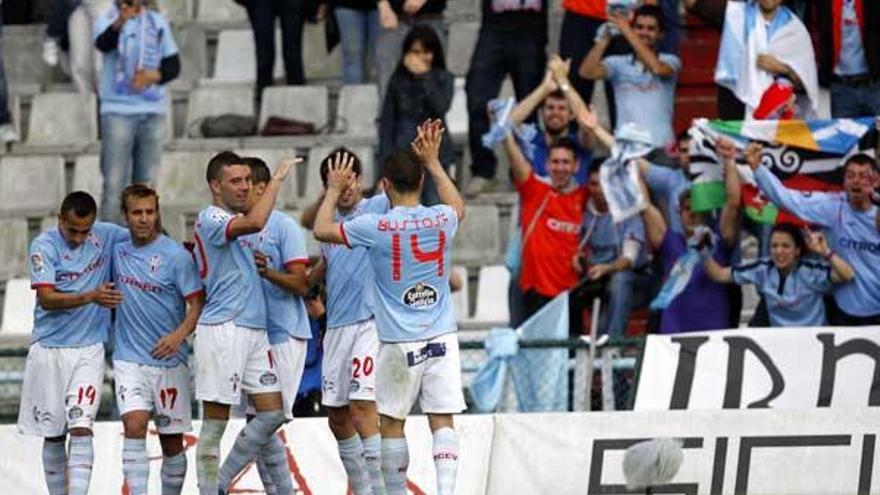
395,461
79,465
55,467
373,460
351,451
265,476
208,455
273,459
173,473
252,438
445,459
135,465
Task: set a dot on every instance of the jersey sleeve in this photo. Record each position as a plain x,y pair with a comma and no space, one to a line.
378,204
750,273
41,264
661,181
360,231
293,244
214,226
103,22
818,276
186,275
452,226
671,60
814,207
610,64
169,46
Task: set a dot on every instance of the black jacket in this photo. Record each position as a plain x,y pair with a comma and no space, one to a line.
821,24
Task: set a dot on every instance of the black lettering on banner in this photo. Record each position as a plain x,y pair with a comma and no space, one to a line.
867,467
684,373
735,365
832,353
747,444
597,460
718,466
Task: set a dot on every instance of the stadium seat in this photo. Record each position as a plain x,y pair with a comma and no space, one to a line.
303,103
460,45
320,65
22,50
181,180
477,238
457,116
209,102
31,185
492,295
193,44
313,184
236,57
18,308
220,12
87,176
461,298
13,248
358,109
289,195
178,12
63,119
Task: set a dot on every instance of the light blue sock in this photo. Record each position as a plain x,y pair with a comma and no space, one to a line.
79,465
351,452
273,459
135,465
373,460
445,459
208,455
395,461
252,438
55,467
173,474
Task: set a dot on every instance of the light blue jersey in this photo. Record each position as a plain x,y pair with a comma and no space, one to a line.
349,295
155,281
794,300
283,242
232,285
852,234
410,250
606,239
52,263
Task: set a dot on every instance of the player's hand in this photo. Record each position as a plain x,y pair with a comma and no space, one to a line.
340,172
753,154
168,345
816,242
285,167
601,270
262,263
107,296
426,145
726,149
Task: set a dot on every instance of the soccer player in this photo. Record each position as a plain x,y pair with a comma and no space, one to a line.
409,249
64,372
351,343
232,349
281,257
157,278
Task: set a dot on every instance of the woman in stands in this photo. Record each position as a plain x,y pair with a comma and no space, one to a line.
421,88
791,285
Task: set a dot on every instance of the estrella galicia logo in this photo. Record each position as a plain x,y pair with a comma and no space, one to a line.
269,378
420,296
162,421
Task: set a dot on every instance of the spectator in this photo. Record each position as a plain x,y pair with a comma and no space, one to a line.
308,399
849,219
512,40
396,18
552,213
700,303
56,36
558,104
83,57
768,41
791,286
420,89
667,184
7,132
616,258
291,14
644,82
140,57
358,22
580,21
849,55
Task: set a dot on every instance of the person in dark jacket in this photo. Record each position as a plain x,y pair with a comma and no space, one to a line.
421,88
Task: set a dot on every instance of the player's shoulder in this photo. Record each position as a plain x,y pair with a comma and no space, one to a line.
47,241
375,204
213,213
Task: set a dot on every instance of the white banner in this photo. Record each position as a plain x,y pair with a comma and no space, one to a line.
780,368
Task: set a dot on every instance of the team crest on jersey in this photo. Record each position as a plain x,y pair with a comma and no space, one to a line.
269,378
219,215
354,386
37,263
155,263
420,296
162,421
75,412
94,240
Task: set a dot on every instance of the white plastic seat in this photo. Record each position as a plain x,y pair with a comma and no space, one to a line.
492,295
358,109
31,185
209,102
63,119
19,301
87,176
461,298
13,248
477,238
304,103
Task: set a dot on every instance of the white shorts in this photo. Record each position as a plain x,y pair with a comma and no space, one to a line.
348,371
290,361
166,392
61,389
429,370
231,359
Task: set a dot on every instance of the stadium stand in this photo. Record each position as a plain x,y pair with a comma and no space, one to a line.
462,38
302,103
32,185
357,109
460,298
211,102
491,308
18,308
13,247
63,119
87,176
478,238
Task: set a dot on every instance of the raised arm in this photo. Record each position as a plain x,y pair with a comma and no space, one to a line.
655,224
729,224
588,121
256,217
519,165
591,67
644,53
524,108
339,178
841,271
718,273
427,147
